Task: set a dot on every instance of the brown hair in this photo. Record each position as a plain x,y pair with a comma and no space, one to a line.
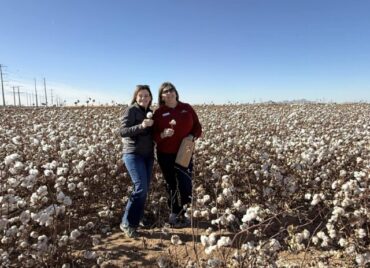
139,88
166,85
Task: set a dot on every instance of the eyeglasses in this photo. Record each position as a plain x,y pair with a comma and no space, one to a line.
168,90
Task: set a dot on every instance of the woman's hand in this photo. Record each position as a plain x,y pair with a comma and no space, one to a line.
167,132
147,123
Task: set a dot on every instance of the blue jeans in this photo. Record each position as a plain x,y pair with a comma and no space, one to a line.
140,170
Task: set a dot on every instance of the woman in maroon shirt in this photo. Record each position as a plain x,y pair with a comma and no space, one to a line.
173,121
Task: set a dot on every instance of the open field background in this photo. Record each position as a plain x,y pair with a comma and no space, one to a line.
274,184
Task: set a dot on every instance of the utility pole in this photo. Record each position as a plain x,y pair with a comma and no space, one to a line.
14,95
32,99
51,96
46,96
19,98
37,103
2,84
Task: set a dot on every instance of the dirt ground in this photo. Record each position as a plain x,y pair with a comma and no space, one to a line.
154,245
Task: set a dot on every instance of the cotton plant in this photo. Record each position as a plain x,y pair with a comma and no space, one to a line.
276,162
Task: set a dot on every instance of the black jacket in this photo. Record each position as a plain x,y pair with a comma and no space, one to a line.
136,139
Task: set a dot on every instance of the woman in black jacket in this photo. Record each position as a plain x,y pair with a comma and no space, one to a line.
138,156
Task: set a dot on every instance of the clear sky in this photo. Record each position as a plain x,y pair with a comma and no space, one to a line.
212,50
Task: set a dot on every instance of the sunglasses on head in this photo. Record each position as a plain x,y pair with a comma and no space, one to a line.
168,90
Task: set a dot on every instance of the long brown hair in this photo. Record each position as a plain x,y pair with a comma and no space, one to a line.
139,88
166,85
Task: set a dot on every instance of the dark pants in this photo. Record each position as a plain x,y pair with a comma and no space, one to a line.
140,170
178,179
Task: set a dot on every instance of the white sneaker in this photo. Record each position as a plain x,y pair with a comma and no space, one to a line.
129,231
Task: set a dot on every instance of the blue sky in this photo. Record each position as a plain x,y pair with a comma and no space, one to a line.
212,50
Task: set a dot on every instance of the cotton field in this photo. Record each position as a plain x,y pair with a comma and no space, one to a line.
267,178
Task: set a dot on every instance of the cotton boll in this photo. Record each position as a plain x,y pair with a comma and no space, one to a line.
220,199
62,171
63,241
315,240
33,172
230,218
11,191
214,210
228,168
238,205
251,214
360,260
11,158
5,240
34,234
175,240
42,239
210,249
90,225
315,200
67,201
48,173
34,198
206,198
21,203
214,263
273,245
80,185
90,255
360,233
346,202
60,197
204,213
25,217
225,178
223,241
227,192
306,234
75,234
42,190
44,200
196,214
342,242
325,243
71,186
13,182
23,244
332,233
204,240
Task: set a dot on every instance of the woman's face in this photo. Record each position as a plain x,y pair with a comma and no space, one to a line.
143,98
169,96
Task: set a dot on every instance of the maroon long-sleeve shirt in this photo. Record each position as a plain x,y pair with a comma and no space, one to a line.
187,122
